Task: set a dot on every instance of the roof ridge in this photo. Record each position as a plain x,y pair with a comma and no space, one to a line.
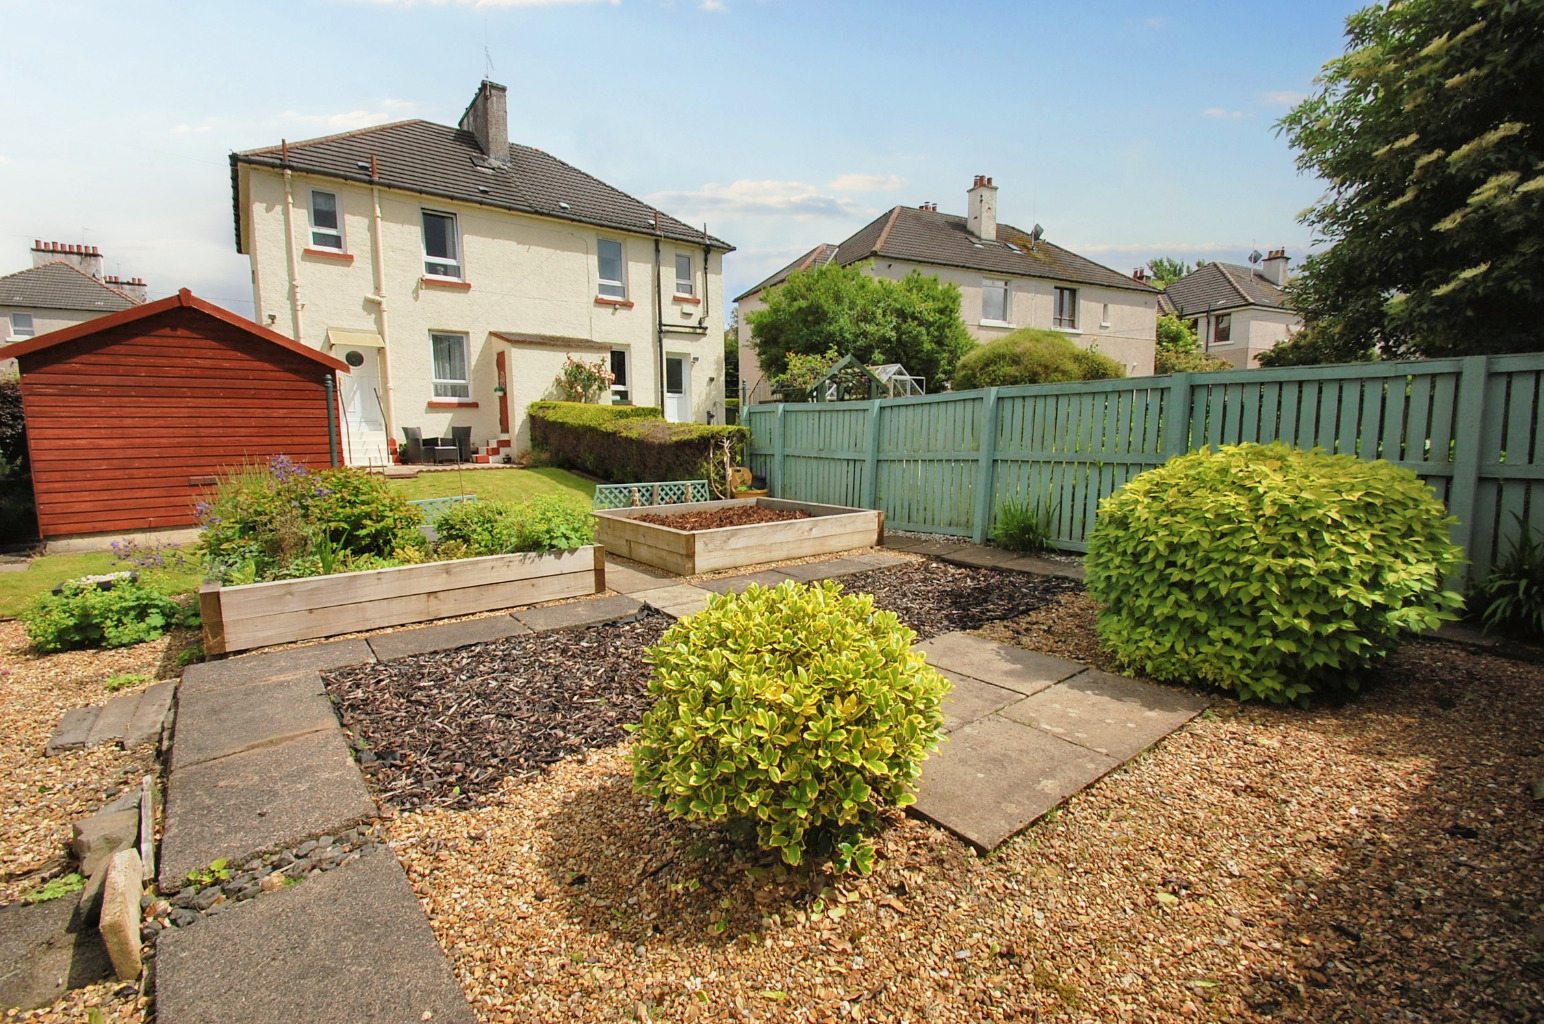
94,280
1228,276
350,134
884,233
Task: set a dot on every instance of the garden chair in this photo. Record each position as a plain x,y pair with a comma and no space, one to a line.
414,452
462,437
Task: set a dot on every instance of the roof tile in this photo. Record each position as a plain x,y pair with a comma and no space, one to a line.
58,285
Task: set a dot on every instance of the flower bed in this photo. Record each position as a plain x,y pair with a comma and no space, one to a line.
626,532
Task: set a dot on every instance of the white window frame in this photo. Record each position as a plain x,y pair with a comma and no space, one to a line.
603,283
1104,319
455,263
16,332
1057,320
450,384
1006,320
621,388
690,281
337,209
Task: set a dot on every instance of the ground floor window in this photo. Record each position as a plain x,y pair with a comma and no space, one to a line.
1065,314
1222,333
452,368
22,326
620,392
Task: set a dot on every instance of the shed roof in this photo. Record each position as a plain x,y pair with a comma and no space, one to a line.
944,239
1223,286
438,160
59,285
183,299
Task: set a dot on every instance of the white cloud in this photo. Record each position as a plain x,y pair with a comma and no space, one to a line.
867,183
747,198
183,129
1284,98
1180,248
487,3
1220,112
352,119
1157,22
714,5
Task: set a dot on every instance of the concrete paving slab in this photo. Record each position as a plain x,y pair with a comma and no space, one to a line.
404,643
769,578
155,704
93,840
624,579
254,668
994,777
259,800
349,945
589,612
218,723
978,556
1111,714
831,568
1012,667
111,724
918,546
45,950
72,731
1045,567
678,601
971,699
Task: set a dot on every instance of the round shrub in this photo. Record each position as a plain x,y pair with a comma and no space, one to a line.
84,614
1268,570
800,710
1032,356
545,522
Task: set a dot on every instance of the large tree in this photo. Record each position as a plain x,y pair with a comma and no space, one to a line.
914,321
1430,133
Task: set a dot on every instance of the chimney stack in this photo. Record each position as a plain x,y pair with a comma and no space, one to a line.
487,117
1141,274
133,287
1274,267
982,218
85,258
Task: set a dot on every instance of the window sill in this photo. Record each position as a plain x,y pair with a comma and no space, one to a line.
606,300
448,283
997,323
328,254
688,299
1067,330
452,403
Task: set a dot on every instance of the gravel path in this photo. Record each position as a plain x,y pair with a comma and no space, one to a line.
1372,861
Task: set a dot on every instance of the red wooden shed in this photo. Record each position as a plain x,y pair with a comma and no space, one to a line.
131,416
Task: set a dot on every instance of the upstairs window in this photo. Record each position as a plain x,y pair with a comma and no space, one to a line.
22,326
1066,314
442,251
619,391
994,301
326,222
685,280
609,267
1222,330
452,377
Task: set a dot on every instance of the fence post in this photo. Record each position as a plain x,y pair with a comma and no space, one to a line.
777,454
1176,418
984,460
871,459
1468,425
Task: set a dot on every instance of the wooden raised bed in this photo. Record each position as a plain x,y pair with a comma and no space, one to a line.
686,553
258,614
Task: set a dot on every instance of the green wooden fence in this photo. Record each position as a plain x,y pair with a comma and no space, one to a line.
943,463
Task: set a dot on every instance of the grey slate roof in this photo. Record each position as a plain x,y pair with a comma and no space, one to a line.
439,161
816,257
1223,286
944,239
58,285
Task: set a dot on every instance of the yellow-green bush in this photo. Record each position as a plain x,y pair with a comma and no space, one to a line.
801,710
1032,355
1268,570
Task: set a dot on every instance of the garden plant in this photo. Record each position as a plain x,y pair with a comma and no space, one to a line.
1269,571
85,613
799,712
1032,356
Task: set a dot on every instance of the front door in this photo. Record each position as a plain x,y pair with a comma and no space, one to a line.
678,388
361,389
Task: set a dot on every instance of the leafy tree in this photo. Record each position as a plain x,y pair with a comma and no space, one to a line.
1430,133
914,321
793,384
732,356
1032,355
1166,271
1179,349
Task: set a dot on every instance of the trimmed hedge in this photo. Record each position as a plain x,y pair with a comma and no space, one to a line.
1032,355
626,444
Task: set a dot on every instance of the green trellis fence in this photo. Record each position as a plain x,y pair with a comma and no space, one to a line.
1473,428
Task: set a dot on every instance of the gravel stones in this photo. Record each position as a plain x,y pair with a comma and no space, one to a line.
447,728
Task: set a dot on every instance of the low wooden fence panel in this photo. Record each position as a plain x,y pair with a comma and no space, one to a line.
1473,428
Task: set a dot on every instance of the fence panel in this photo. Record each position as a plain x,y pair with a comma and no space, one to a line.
944,463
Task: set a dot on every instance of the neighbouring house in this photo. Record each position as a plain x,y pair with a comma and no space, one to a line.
456,271
65,286
1008,279
131,416
1237,311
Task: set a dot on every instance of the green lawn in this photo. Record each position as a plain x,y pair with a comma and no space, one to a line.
498,484
47,572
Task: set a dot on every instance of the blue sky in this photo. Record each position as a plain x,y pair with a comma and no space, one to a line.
1127,130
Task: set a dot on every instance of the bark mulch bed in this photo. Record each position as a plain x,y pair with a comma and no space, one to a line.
447,728
936,597
713,519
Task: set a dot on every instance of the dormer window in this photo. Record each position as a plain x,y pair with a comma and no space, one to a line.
326,222
442,249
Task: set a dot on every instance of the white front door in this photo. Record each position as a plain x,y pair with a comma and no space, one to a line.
678,388
361,389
